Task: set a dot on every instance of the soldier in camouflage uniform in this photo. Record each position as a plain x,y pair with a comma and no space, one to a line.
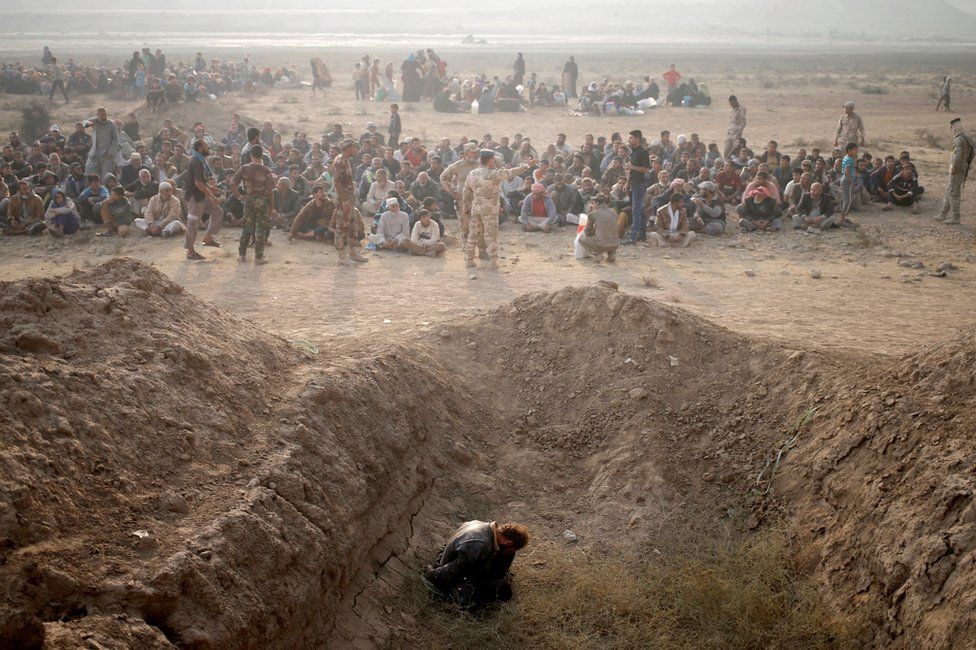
481,192
258,199
962,158
737,124
850,128
452,180
346,215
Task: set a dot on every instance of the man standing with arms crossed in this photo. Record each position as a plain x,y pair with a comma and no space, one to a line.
452,180
962,158
481,192
259,187
638,166
345,189
737,124
202,198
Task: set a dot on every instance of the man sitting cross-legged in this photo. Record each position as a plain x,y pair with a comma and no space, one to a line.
394,227
312,221
672,224
538,211
903,190
759,212
425,236
162,215
815,210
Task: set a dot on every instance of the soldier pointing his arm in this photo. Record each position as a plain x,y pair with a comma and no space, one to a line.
481,192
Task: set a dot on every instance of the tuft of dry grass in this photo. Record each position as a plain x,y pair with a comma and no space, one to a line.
874,90
650,282
928,138
717,594
864,239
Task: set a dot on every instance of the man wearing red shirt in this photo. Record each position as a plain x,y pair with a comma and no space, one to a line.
671,77
729,184
416,154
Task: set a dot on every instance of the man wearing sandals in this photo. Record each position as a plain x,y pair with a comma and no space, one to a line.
202,198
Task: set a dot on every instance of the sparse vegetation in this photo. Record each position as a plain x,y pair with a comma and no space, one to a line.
874,90
863,239
723,594
929,138
650,282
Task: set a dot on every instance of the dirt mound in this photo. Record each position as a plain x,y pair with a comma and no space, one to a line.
165,461
173,474
883,486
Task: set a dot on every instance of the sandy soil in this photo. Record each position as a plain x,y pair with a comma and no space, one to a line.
864,299
272,464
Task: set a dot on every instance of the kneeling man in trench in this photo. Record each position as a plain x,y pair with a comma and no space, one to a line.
472,568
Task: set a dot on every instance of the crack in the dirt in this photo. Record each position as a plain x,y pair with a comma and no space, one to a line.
395,554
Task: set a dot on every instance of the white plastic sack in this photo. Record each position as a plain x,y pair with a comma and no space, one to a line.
579,252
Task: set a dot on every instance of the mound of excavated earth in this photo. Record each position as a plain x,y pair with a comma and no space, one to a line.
172,475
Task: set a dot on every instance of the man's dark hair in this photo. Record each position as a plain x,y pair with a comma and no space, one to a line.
636,133
889,157
198,144
851,146
600,199
118,190
733,98
257,151
422,213
93,177
486,156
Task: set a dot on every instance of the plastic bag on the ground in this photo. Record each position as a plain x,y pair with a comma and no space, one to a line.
579,252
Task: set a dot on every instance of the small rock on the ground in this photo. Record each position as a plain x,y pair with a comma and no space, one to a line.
638,393
815,274
947,266
570,536
750,273
172,502
444,334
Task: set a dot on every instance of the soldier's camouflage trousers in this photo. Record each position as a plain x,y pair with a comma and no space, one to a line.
483,232
257,225
347,225
464,227
952,197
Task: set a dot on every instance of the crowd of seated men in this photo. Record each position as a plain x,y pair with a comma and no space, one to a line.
51,185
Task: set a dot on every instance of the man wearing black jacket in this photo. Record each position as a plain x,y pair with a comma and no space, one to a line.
472,568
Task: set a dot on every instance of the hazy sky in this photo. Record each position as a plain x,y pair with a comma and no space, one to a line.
965,5
703,19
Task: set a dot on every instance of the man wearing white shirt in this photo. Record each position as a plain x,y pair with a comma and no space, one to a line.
425,237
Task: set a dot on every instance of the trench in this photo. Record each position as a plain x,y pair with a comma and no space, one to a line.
587,410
